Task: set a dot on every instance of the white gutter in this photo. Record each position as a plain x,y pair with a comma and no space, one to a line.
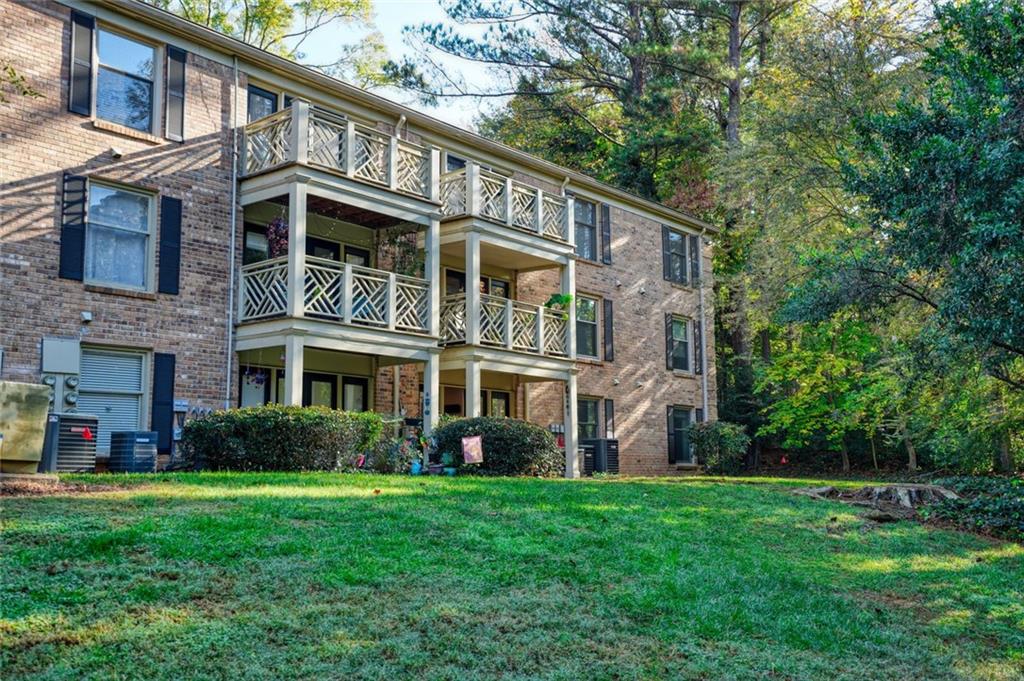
703,328
229,359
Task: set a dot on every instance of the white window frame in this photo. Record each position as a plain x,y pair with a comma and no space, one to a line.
688,339
596,323
159,58
150,265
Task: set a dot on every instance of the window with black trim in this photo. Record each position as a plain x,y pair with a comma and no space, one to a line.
587,418
254,246
679,350
260,103
675,256
125,80
118,236
586,229
586,327
679,420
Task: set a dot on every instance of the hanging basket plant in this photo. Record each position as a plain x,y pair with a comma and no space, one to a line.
277,237
560,302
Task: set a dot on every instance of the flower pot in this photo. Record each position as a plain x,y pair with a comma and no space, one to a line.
449,471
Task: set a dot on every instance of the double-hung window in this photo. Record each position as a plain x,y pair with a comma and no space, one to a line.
586,327
125,81
676,256
260,103
586,418
117,237
586,229
679,343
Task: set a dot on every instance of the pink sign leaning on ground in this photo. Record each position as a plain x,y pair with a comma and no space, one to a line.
473,449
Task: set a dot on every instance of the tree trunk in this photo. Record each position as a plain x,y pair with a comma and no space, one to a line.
734,82
1004,462
765,336
911,452
846,455
874,454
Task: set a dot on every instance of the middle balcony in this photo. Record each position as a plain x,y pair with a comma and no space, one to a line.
505,323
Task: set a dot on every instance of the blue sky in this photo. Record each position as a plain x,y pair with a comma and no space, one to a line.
391,17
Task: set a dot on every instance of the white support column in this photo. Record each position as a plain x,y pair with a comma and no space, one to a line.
346,293
296,248
538,212
473,288
569,287
472,188
300,131
350,149
432,273
473,406
570,220
572,462
509,336
392,300
540,330
294,349
431,392
393,162
434,176
508,201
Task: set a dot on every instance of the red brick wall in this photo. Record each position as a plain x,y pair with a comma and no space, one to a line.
637,380
42,140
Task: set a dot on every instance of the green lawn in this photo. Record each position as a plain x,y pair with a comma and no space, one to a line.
318,576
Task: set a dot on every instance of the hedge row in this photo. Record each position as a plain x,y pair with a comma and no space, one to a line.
278,438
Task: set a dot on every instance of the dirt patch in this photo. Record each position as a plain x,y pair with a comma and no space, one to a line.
30,488
886,600
885,503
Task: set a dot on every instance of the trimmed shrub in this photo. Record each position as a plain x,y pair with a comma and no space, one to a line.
279,438
721,446
511,447
394,455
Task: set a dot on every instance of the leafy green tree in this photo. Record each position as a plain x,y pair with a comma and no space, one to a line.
942,179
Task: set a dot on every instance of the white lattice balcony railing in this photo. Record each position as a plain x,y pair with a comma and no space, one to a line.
475,191
339,292
314,136
506,323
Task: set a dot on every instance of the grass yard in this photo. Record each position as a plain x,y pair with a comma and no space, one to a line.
260,576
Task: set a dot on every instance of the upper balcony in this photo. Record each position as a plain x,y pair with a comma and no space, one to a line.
307,135
540,218
505,323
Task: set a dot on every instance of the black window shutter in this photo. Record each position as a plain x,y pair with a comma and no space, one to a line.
698,346
609,418
666,260
671,438
175,119
668,341
699,415
170,245
72,231
606,234
609,332
695,260
163,400
80,74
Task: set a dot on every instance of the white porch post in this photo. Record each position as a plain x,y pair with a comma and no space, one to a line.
572,463
473,388
432,273
473,288
569,287
300,131
431,392
296,248
294,349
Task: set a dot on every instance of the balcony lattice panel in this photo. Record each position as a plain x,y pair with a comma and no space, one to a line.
492,196
554,217
413,170
453,193
492,320
324,289
412,304
453,318
524,207
369,297
327,140
371,156
524,328
555,327
268,142
265,289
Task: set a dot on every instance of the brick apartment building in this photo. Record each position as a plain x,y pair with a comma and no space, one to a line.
189,222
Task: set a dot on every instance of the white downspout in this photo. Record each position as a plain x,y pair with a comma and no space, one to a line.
704,328
229,359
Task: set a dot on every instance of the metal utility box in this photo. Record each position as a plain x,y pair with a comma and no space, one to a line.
70,443
132,452
600,456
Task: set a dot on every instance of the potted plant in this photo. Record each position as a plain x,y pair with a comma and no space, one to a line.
560,302
447,462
